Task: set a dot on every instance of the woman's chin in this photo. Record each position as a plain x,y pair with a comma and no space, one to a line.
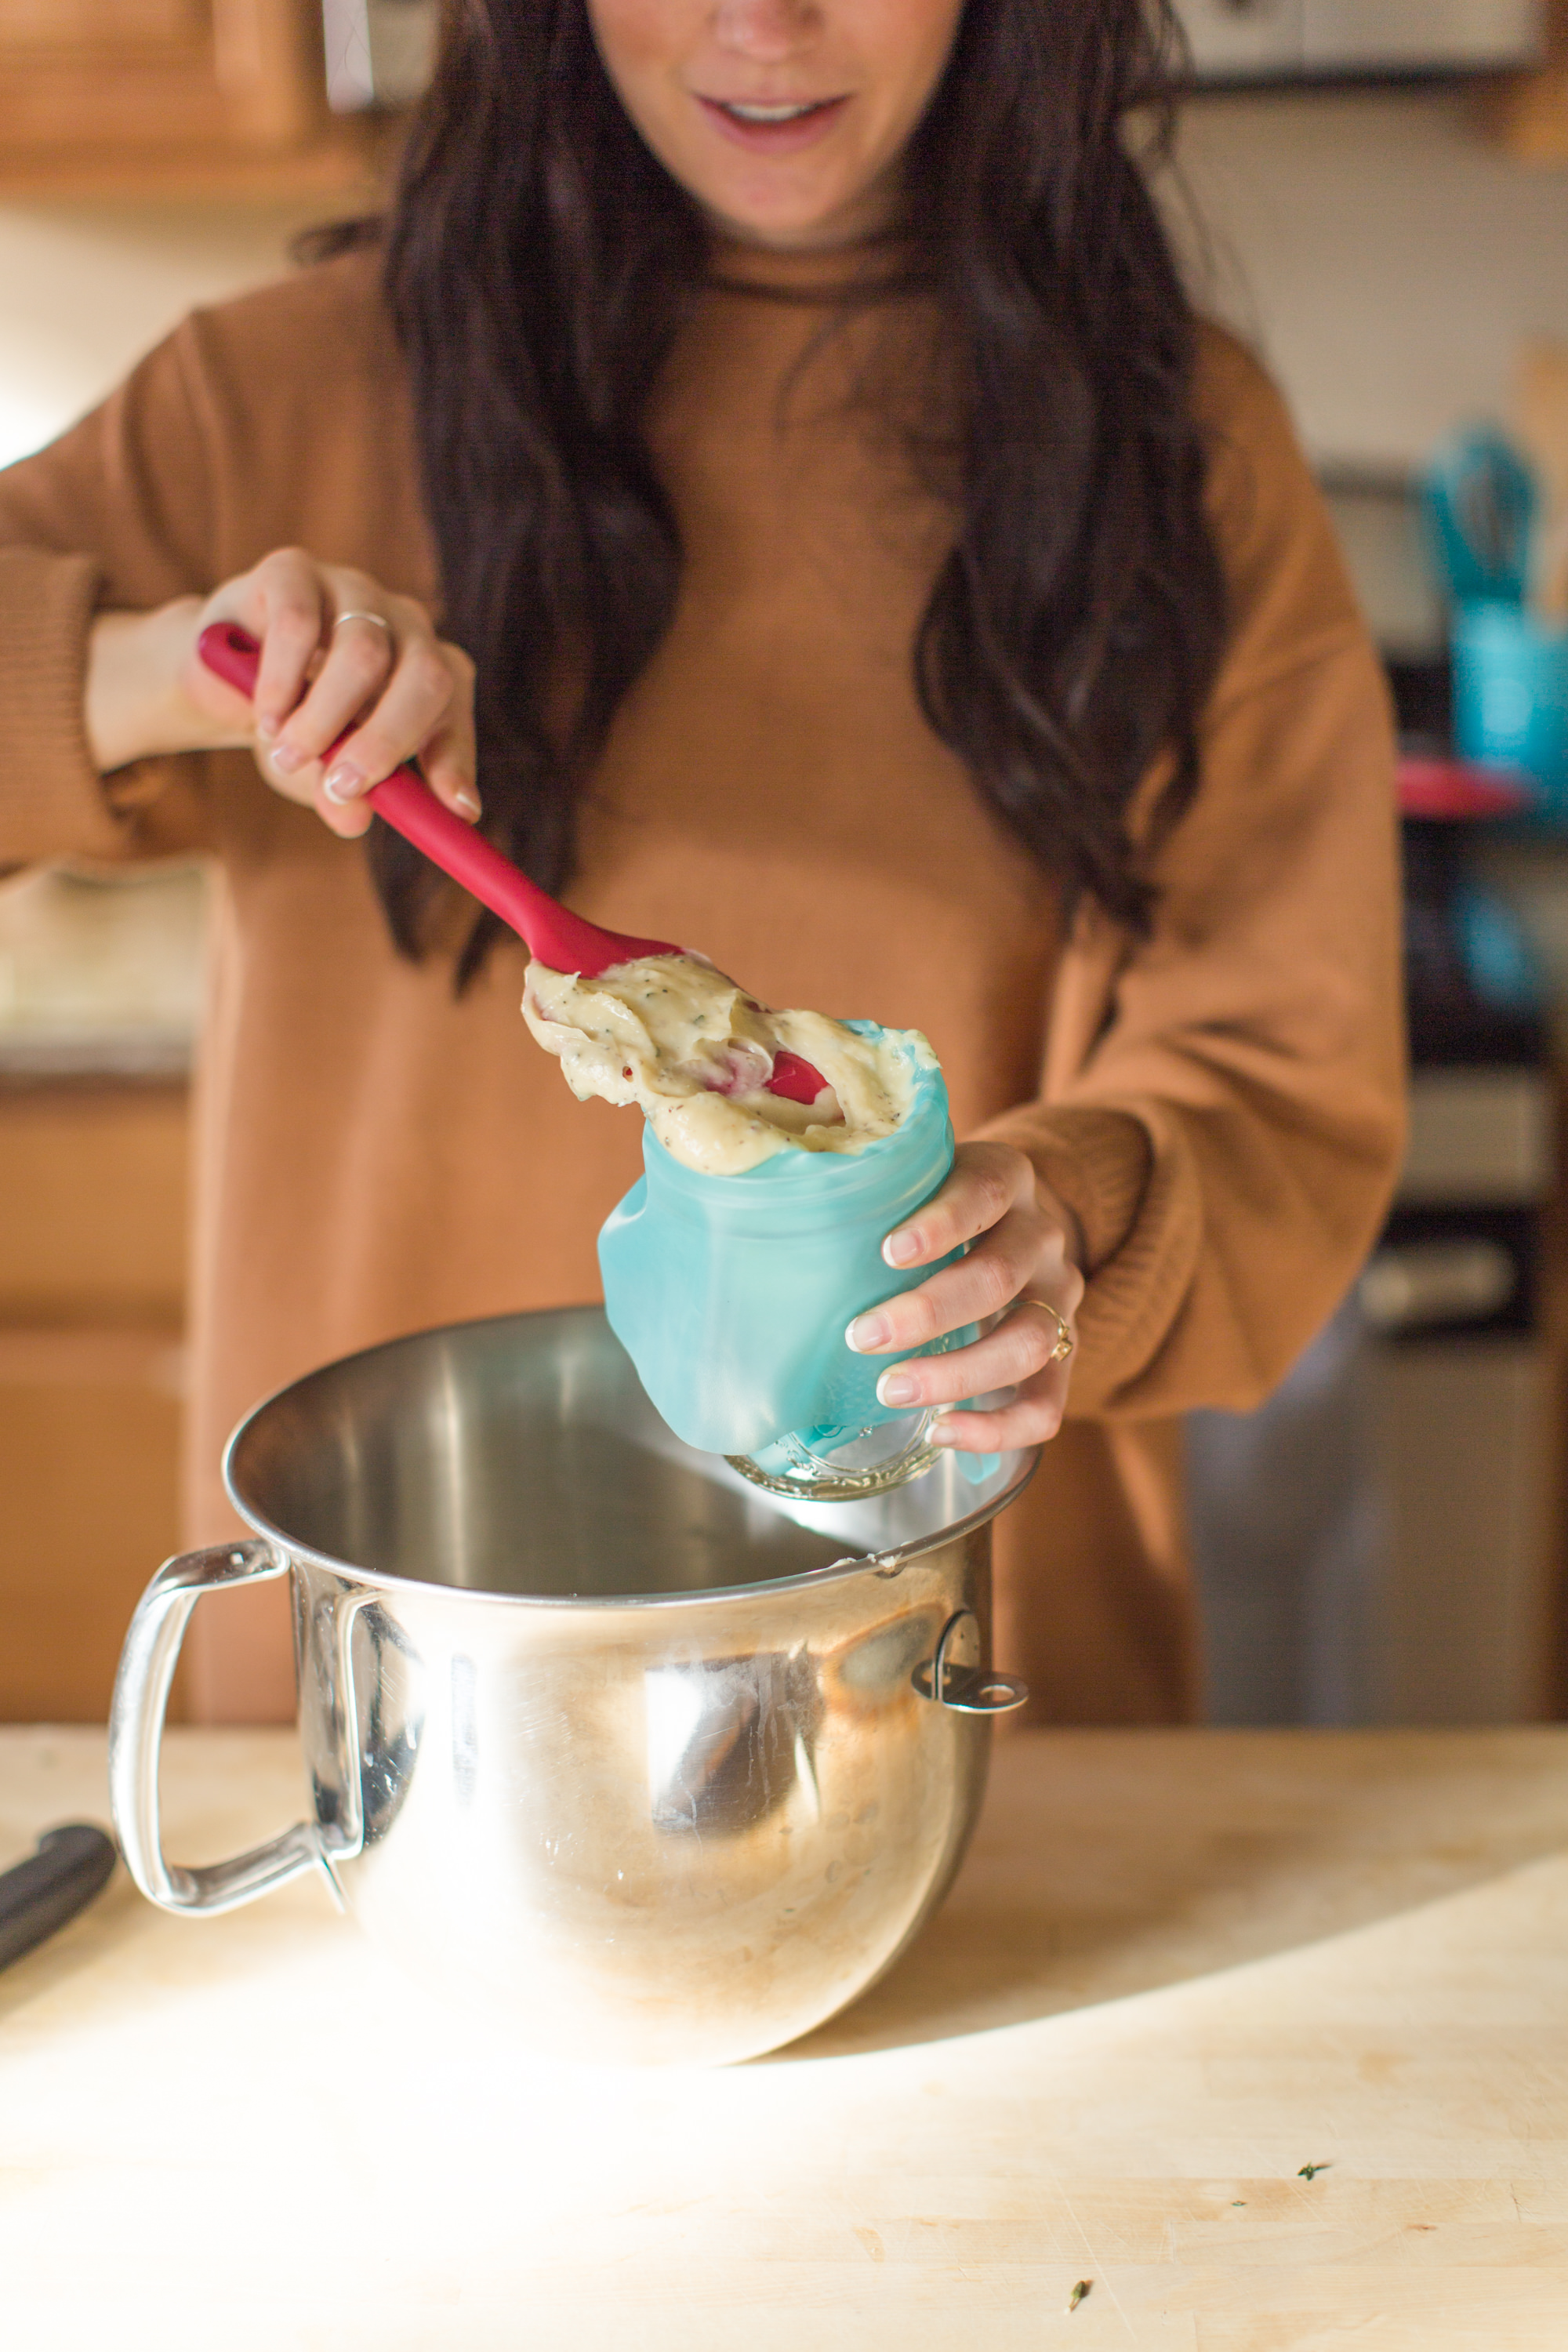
790,221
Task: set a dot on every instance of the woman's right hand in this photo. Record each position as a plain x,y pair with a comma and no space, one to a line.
338,652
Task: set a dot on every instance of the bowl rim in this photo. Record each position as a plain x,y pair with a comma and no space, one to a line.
1023,1462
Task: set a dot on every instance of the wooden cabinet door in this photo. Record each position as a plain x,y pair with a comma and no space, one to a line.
90,1449
92,1224
1528,112
156,74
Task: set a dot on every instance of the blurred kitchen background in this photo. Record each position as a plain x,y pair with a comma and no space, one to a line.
1375,192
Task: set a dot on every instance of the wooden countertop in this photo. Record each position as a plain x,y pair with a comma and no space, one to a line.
1178,1968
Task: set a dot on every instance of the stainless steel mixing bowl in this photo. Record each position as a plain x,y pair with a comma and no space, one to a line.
654,1764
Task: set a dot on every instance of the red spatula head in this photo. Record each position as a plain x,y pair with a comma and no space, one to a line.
795,1079
563,940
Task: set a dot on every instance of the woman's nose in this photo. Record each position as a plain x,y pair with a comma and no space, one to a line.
769,32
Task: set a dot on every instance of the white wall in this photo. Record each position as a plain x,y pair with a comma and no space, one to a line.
1387,260
86,289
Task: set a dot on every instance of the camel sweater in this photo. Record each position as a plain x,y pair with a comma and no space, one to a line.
1219,1101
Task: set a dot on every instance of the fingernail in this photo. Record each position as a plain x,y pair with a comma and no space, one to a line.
287,756
869,1332
343,781
943,1430
897,1388
901,1249
267,727
469,803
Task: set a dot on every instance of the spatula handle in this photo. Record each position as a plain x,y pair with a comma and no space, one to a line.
406,801
565,941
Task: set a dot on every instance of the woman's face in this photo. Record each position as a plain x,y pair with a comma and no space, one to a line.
784,119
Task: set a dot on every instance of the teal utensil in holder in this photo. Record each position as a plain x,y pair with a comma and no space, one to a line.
1510,698
732,1295
1482,505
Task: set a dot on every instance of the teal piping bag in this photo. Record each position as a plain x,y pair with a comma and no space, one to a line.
731,1294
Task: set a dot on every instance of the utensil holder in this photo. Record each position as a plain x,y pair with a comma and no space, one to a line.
1510,696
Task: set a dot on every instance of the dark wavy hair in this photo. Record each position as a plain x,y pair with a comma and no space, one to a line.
539,262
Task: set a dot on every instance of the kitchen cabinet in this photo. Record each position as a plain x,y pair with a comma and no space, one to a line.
1277,41
92,1254
180,95
1516,50
1530,119
100,987
1528,113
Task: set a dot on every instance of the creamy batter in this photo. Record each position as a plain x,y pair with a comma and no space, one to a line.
695,1053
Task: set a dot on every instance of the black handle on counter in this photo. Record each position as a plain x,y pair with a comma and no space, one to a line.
52,1886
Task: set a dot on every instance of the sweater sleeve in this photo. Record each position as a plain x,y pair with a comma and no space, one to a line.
117,513
1223,1105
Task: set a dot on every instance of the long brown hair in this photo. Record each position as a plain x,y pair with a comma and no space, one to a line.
539,264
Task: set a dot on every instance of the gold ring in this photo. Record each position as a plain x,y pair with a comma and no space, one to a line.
375,620
1066,1343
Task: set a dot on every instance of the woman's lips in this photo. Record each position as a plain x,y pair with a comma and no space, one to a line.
785,137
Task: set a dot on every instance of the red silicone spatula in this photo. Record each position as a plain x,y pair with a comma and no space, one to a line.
565,941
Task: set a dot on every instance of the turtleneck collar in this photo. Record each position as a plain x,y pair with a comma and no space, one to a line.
868,267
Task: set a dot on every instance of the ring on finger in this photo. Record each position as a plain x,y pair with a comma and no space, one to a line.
1065,1343
376,620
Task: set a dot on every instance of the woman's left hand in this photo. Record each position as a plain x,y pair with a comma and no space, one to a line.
1023,1263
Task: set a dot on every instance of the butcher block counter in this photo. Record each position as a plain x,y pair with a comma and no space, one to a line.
1263,2035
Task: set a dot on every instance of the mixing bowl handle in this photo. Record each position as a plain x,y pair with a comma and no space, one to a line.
967,1690
147,1665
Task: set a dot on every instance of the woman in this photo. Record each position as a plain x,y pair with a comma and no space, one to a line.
771,436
